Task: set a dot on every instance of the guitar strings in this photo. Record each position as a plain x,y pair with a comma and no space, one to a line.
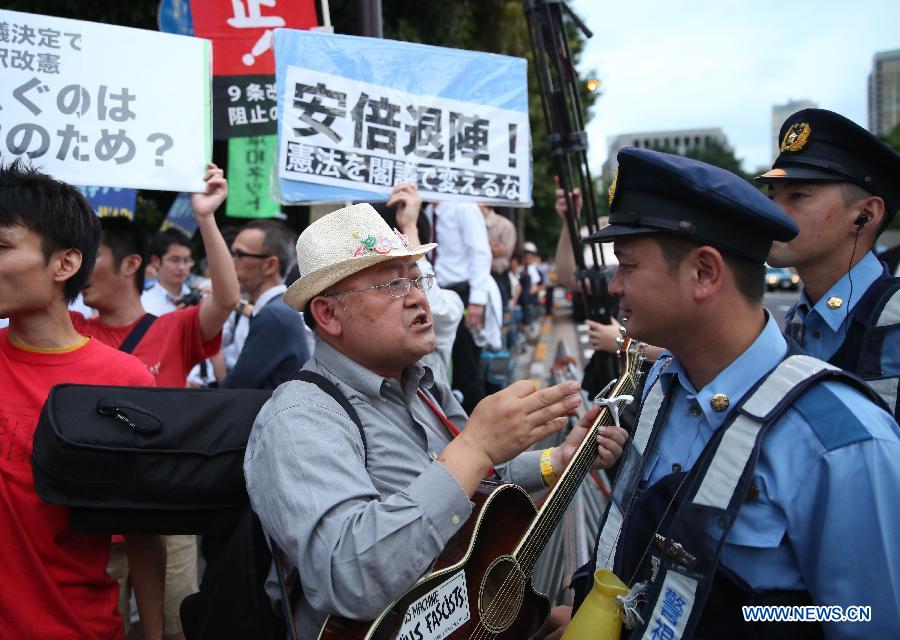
502,598
581,461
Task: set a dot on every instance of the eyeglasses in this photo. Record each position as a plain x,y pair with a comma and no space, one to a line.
398,288
176,260
238,254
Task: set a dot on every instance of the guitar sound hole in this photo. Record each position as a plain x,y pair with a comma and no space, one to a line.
501,594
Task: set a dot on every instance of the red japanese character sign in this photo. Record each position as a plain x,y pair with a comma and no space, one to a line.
241,31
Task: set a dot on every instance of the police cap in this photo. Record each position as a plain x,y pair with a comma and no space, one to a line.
655,192
818,145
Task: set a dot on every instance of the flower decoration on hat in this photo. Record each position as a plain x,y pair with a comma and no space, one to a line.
381,245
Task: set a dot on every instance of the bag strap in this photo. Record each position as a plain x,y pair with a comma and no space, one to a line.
449,426
286,608
137,333
331,389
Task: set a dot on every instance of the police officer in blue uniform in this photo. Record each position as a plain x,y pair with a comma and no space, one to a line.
754,476
841,186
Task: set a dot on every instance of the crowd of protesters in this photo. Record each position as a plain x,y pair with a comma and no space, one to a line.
442,285
106,288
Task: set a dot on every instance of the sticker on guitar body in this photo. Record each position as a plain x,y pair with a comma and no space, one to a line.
438,613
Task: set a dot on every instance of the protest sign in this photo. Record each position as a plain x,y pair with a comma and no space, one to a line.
181,215
243,64
97,104
241,30
244,106
357,116
109,201
250,162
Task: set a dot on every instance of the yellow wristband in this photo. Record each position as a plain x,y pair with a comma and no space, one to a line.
547,468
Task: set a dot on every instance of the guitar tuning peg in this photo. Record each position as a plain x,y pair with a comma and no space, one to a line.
622,331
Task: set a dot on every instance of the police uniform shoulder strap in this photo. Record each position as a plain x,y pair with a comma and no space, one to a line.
724,474
763,406
888,318
870,318
650,409
867,337
630,472
888,308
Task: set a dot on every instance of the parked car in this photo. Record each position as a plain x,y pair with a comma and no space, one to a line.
781,278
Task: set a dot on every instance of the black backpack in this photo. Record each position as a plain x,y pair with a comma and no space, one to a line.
232,602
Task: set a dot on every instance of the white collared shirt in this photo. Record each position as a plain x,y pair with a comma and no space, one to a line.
157,300
463,252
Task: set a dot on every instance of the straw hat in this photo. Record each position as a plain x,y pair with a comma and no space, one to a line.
340,244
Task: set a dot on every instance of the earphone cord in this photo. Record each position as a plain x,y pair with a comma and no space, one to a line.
849,268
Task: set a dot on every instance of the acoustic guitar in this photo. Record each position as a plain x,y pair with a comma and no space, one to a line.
480,586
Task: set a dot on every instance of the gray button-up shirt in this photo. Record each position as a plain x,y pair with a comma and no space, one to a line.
360,535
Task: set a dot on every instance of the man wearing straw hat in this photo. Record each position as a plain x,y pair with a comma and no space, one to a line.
364,512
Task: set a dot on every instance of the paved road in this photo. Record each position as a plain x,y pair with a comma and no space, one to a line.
778,302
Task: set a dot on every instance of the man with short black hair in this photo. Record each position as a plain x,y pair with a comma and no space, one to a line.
54,579
841,185
170,256
275,347
753,476
176,340
169,345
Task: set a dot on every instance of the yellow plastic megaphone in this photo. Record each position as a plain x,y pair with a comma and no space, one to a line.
600,615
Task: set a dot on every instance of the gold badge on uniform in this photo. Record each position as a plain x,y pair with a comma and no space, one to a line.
752,492
834,302
612,188
796,137
719,402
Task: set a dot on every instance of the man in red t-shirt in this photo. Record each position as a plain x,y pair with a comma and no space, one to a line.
54,579
173,344
178,340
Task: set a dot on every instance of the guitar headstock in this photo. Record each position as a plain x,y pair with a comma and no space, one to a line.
631,356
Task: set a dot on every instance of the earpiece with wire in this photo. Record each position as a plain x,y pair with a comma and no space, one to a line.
861,220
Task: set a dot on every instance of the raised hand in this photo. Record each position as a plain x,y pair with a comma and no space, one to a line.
205,204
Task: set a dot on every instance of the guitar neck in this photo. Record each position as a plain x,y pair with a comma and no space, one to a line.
554,507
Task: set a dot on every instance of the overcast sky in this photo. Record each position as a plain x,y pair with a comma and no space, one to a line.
679,65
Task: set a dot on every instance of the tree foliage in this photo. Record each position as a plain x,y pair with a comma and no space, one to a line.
135,13
893,138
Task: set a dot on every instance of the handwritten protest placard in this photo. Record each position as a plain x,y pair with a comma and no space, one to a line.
358,116
97,104
249,169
